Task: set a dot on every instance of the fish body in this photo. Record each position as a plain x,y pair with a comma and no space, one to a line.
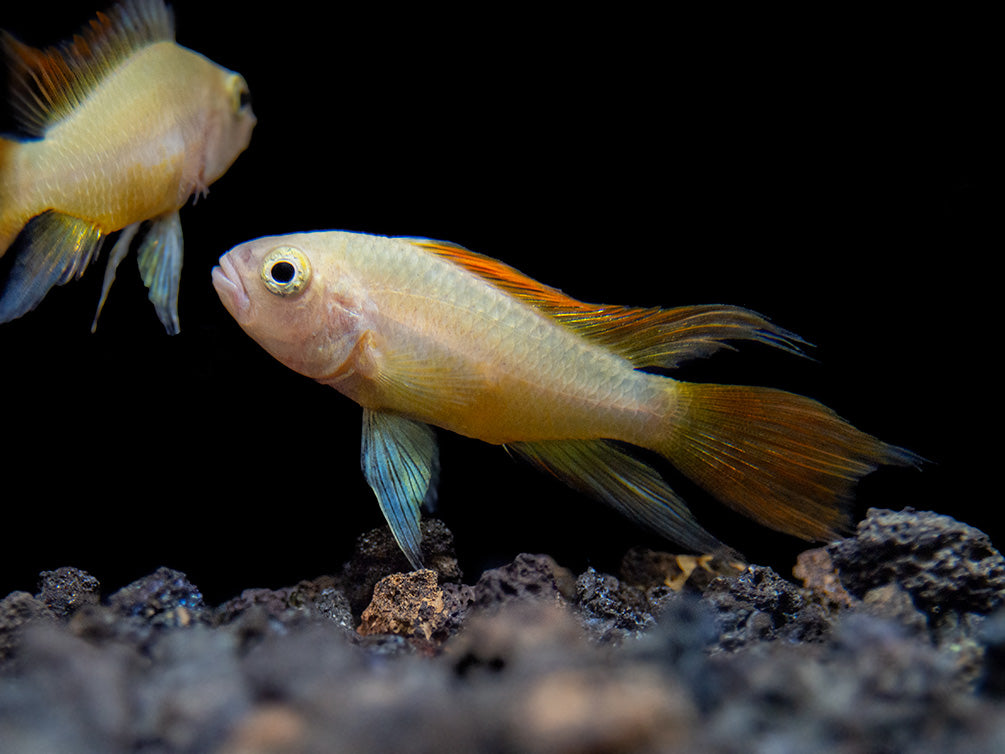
121,126
424,333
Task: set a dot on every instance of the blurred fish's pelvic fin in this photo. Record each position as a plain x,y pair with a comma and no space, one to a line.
602,470
52,249
47,85
646,337
400,461
160,259
116,255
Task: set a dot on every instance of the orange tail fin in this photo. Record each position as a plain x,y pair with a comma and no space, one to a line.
782,459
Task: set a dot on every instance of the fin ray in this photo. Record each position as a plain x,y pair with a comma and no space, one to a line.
47,85
784,460
400,461
603,471
116,255
160,261
645,336
53,249
426,384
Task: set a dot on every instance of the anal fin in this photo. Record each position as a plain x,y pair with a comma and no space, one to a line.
602,470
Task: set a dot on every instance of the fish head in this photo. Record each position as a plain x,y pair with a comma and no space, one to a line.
298,303
229,123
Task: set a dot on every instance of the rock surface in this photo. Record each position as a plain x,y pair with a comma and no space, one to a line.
890,640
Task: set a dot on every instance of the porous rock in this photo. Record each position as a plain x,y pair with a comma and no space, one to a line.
527,577
377,554
759,605
152,668
945,565
408,604
66,590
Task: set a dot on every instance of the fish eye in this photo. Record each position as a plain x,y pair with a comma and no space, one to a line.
240,95
286,271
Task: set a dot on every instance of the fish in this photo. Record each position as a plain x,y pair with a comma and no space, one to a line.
114,131
424,333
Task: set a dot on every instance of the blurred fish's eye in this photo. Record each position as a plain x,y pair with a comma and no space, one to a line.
286,271
240,95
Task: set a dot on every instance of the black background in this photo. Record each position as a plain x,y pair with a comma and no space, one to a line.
827,171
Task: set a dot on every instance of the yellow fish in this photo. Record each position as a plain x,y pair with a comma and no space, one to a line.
121,126
422,333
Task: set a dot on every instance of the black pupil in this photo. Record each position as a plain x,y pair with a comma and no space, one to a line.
283,272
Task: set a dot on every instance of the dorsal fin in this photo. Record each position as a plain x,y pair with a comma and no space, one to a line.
47,85
647,337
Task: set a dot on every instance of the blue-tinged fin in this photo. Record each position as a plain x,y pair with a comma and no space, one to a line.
400,461
46,86
602,470
160,259
647,336
53,249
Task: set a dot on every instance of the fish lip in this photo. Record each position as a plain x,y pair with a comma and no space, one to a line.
230,289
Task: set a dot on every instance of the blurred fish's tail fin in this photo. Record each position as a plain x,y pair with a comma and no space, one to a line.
782,459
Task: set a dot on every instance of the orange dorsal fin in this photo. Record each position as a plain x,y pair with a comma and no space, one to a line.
647,336
46,86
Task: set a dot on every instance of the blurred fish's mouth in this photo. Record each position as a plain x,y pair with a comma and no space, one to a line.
230,289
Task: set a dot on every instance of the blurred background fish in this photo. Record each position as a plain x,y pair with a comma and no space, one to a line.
424,333
117,128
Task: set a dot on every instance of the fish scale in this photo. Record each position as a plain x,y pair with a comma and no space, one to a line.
498,326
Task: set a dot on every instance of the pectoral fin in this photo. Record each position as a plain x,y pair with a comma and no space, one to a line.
53,249
600,469
160,258
411,382
400,461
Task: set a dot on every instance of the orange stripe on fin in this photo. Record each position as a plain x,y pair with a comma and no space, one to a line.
647,337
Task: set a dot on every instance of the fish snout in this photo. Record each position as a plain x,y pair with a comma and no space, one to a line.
230,287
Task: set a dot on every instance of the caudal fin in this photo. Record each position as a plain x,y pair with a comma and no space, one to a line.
782,459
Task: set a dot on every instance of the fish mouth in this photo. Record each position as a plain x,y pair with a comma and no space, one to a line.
230,289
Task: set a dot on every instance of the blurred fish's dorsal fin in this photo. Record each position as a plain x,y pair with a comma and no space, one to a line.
47,85
646,336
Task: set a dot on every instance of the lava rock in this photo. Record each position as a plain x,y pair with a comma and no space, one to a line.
17,610
943,564
164,598
527,577
377,554
612,610
529,659
759,605
66,590
411,605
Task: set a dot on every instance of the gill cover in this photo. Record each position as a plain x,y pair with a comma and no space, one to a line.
285,271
